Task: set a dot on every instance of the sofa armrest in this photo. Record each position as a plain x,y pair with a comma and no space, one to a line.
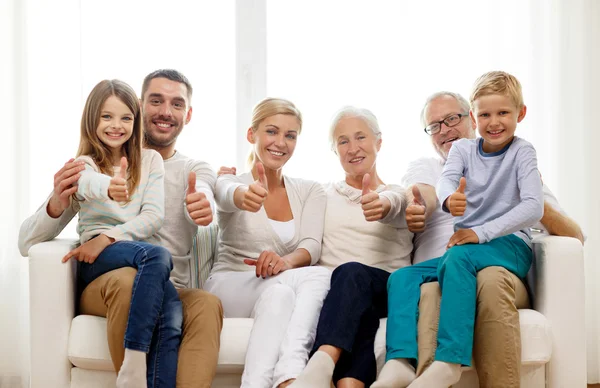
52,293
560,296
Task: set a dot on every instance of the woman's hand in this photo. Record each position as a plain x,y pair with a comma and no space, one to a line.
89,251
252,199
269,263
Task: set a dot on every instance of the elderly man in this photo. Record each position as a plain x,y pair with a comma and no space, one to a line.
497,345
189,186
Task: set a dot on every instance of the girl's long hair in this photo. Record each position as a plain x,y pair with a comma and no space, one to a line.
90,144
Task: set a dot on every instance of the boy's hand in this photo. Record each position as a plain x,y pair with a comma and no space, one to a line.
374,207
252,199
457,202
90,250
117,189
197,205
463,236
226,171
415,212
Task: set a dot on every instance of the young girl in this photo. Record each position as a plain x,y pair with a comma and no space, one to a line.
121,195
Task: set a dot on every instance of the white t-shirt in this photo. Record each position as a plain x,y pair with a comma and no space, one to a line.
432,242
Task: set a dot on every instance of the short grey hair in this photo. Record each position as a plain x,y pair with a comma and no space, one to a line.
464,104
354,112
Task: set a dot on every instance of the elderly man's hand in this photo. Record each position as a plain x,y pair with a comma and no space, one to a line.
197,204
457,202
463,236
415,212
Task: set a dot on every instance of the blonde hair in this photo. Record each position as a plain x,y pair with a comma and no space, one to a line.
90,144
271,107
498,82
353,112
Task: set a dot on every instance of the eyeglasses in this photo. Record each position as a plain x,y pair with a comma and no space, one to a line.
450,121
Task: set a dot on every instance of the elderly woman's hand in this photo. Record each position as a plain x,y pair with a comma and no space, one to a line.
374,206
269,263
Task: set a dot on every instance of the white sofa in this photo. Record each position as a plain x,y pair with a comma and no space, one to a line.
72,351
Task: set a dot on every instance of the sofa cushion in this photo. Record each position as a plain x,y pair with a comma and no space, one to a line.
88,346
204,250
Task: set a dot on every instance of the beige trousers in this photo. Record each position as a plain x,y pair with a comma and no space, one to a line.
497,338
110,295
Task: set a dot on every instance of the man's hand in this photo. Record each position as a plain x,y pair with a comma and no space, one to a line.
65,185
415,212
226,171
253,198
457,202
374,207
197,204
117,189
90,250
463,236
269,263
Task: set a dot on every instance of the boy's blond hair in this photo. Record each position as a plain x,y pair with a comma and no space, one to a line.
498,82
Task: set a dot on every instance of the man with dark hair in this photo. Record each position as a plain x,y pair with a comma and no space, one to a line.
189,193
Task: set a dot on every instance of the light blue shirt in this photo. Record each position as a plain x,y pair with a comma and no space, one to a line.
504,189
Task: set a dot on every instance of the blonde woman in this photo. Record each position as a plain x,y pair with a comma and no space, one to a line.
271,227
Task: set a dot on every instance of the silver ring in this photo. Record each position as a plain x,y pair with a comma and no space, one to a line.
270,264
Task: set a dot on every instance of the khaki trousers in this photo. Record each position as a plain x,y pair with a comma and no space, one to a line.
497,338
110,295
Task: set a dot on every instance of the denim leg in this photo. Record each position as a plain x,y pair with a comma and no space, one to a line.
457,273
163,356
404,292
154,265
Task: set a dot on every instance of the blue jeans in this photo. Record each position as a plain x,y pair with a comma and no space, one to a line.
350,317
156,315
456,272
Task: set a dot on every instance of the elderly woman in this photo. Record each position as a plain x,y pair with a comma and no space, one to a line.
365,239
271,227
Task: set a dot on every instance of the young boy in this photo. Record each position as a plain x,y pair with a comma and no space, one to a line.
499,196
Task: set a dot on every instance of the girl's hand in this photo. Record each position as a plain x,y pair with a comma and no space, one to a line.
269,263
90,250
117,189
463,236
65,185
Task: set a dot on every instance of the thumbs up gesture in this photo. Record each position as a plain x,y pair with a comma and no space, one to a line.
197,204
457,201
252,199
374,207
117,188
415,212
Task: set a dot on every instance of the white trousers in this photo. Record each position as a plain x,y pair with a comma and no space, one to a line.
285,309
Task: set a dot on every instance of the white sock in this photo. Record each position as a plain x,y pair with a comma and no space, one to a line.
318,372
439,375
396,373
133,370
